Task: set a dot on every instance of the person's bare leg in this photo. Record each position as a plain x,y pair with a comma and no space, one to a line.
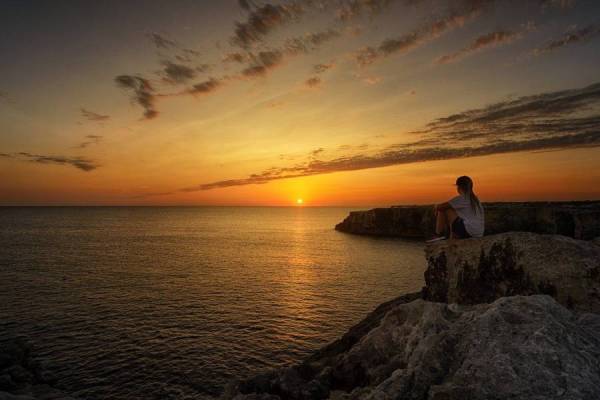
449,216
440,223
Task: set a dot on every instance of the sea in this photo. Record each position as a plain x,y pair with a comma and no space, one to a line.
175,302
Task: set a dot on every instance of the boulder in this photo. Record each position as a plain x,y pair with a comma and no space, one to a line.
519,347
481,270
579,220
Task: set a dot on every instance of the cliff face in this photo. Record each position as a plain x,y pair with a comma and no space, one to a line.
482,270
579,220
489,347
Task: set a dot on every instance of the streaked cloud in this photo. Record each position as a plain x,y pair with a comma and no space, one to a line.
235,57
549,121
351,9
93,116
161,41
418,37
482,42
142,93
206,87
80,163
263,62
320,68
90,140
262,20
569,38
177,73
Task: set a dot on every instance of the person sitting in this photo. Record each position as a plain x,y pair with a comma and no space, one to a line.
462,217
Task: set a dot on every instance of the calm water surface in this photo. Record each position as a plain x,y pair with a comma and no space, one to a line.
171,303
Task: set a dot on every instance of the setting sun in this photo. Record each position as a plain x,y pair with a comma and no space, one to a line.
299,202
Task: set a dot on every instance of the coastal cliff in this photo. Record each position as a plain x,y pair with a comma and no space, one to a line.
580,220
533,334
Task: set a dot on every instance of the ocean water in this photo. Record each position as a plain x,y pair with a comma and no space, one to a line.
172,303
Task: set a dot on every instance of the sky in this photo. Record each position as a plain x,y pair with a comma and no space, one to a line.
339,102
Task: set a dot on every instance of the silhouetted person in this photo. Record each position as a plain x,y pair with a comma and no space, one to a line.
461,217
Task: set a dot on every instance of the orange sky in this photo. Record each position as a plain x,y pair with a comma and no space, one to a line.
344,104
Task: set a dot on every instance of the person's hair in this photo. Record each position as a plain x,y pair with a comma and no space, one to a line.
465,184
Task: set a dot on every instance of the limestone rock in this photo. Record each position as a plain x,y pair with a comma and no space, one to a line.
520,347
516,263
580,220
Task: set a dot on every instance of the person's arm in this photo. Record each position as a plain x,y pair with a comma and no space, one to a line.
442,207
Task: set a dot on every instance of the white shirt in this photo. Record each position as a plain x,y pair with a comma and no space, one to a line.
474,220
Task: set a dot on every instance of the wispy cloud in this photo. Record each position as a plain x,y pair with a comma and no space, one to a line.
81,163
549,121
320,68
142,93
206,87
263,62
262,20
90,140
569,38
177,73
350,9
93,116
416,38
161,41
488,40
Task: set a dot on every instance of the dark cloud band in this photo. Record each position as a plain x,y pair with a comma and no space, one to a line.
80,163
550,121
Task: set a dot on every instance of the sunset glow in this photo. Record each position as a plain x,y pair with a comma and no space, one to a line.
227,103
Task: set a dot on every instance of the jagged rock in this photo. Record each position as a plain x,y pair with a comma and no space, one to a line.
580,220
520,347
517,263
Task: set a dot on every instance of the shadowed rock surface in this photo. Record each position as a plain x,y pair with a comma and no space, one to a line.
518,263
517,347
579,220
22,377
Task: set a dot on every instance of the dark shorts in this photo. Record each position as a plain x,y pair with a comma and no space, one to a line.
458,229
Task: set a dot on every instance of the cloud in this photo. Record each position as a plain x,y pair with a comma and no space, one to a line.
205,87
320,68
177,73
83,164
308,42
235,57
411,40
488,40
313,82
571,37
160,41
92,116
262,20
90,140
351,9
263,63
143,93
549,121
246,5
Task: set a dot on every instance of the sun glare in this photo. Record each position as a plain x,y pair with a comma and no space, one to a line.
299,202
